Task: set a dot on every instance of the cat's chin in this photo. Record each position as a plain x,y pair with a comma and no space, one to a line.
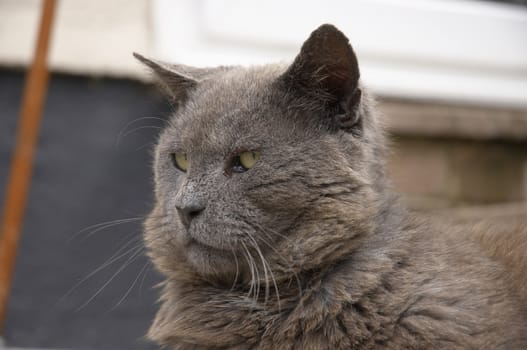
209,261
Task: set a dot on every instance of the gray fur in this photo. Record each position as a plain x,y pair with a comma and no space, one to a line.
309,249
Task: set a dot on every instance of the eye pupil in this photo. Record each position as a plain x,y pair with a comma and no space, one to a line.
237,166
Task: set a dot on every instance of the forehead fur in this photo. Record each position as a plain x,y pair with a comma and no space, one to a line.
236,108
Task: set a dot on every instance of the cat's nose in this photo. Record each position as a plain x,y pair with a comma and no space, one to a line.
188,213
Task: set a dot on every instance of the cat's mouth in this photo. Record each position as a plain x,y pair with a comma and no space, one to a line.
202,237
211,261
205,246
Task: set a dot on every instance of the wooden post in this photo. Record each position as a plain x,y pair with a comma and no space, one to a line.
22,161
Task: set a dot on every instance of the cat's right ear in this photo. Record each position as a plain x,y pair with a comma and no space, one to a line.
177,82
326,70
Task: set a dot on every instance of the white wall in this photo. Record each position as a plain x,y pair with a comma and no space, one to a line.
453,50
89,36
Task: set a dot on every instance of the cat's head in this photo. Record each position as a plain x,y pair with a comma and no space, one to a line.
272,169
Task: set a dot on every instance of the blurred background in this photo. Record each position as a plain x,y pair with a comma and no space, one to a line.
450,76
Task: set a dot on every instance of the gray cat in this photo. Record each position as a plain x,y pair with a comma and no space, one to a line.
275,228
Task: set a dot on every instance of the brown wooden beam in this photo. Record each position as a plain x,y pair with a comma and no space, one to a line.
22,162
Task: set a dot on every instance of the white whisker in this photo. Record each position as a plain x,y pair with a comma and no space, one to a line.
129,289
237,270
102,226
144,277
123,130
264,265
115,257
134,255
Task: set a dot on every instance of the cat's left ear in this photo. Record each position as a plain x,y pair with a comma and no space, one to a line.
326,69
177,80
174,83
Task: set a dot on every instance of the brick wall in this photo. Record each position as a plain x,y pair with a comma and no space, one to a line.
447,155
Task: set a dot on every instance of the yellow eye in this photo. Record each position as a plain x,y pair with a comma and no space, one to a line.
246,161
180,161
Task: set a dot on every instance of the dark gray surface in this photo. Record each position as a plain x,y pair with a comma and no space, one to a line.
82,177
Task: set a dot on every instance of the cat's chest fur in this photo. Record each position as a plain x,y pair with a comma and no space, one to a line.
385,298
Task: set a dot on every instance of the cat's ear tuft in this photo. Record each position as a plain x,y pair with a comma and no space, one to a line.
174,81
327,69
